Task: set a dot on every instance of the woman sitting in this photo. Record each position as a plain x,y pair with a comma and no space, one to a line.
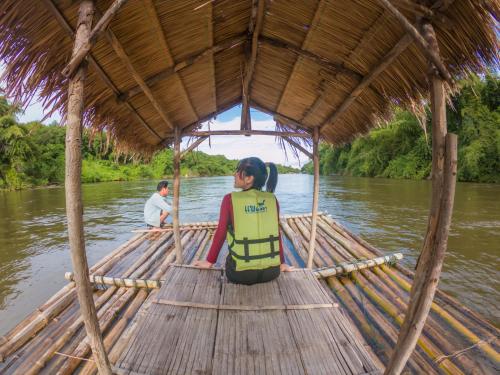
249,221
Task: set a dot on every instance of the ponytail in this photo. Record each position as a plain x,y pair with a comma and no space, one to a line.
255,167
272,179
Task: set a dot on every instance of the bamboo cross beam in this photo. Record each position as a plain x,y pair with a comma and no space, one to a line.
99,28
378,69
254,30
193,146
346,268
298,147
205,133
120,52
430,53
320,60
119,281
159,32
164,74
99,70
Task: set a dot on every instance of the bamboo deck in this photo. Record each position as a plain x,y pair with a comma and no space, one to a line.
52,339
201,324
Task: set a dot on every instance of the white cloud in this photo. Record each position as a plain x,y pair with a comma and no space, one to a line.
239,147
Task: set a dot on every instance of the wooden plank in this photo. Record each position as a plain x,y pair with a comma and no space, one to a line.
246,340
167,336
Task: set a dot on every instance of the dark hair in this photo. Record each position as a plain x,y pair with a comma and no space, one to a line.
161,185
255,167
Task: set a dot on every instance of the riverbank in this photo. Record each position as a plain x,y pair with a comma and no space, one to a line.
402,149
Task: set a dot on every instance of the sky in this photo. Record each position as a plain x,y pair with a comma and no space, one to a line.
233,147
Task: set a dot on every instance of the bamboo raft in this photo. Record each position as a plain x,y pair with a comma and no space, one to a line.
52,340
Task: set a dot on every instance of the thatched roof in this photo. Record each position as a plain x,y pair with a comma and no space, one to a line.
311,57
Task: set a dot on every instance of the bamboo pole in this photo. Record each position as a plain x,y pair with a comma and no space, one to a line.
99,28
115,333
30,326
181,65
120,52
312,240
350,267
74,206
119,281
320,60
298,147
429,52
177,185
432,256
103,304
192,146
98,69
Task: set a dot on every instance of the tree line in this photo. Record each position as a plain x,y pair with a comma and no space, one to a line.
32,154
402,149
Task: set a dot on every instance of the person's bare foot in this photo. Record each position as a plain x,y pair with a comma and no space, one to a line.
285,267
204,264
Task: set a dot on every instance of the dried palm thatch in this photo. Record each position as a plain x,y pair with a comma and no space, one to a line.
313,61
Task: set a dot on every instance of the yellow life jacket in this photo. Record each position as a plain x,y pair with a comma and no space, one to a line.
253,239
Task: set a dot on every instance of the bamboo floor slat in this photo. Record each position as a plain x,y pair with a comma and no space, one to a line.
201,324
455,340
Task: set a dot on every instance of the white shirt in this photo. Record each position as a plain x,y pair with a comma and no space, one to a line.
153,208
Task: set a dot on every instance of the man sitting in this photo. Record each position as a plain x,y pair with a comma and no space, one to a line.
156,208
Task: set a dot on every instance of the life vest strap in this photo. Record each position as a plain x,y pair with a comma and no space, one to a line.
246,242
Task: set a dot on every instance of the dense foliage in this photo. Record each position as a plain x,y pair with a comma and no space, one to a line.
402,149
32,154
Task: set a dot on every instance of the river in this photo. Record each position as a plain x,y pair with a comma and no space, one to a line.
390,214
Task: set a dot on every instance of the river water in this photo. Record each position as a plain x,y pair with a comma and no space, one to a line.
390,214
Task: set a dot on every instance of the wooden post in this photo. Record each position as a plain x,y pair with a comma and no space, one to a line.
74,206
444,169
177,185
314,220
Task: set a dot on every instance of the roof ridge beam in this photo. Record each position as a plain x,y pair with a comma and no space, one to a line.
254,30
429,52
314,23
388,59
120,52
96,32
99,70
153,15
164,74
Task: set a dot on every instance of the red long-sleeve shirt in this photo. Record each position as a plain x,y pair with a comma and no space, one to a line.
226,218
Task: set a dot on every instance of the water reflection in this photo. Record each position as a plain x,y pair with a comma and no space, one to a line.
390,214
